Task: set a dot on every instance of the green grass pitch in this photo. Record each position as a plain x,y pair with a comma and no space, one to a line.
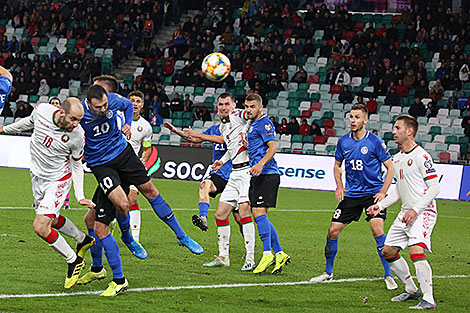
29,266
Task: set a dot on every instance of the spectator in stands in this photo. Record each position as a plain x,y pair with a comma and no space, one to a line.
343,77
462,103
463,74
431,110
372,105
331,77
315,129
248,72
155,118
13,45
33,86
24,47
345,95
300,76
275,123
293,127
422,90
44,88
402,90
304,128
55,53
282,128
325,49
375,132
187,103
437,91
392,98
452,102
466,124
23,110
380,89
417,109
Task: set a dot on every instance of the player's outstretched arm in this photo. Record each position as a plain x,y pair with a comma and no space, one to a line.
180,133
203,137
340,191
387,181
22,125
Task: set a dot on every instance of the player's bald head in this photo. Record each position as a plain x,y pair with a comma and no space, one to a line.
72,105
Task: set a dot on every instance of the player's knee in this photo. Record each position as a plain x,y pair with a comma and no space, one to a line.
40,229
90,219
101,230
389,252
333,232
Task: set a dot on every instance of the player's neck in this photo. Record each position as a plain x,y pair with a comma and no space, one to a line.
260,114
136,117
407,146
358,135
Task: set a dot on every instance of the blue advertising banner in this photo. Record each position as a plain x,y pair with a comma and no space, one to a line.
465,184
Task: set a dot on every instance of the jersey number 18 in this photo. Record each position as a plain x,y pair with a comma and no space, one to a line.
356,165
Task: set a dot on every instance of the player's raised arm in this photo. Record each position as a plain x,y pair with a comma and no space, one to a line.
180,133
203,137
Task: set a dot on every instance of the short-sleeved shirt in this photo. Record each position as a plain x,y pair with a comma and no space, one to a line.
5,89
141,134
104,140
363,163
218,151
260,133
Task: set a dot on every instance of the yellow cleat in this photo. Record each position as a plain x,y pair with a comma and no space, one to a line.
266,261
282,259
74,271
114,289
83,247
91,276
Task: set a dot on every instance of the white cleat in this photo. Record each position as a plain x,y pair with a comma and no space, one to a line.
390,283
219,261
323,277
248,266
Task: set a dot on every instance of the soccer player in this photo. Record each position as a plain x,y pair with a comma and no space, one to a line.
264,183
56,152
141,136
236,191
363,154
417,187
6,81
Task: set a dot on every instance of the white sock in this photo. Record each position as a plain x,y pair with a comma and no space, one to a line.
224,240
249,236
401,269
61,246
424,273
69,229
134,220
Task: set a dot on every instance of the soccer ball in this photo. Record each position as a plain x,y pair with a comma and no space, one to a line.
216,66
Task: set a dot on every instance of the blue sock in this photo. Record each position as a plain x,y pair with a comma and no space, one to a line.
331,248
203,209
164,212
264,230
380,245
275,239
96,250
124,225
111,250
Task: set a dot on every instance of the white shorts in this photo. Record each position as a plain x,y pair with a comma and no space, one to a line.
238,185
49,195
401,236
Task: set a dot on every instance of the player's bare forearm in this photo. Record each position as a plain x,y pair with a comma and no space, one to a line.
212,138
146,154
187,137
389,177
337,174
270,153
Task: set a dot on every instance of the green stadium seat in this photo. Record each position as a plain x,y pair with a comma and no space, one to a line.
177,115
156,129
308,139
296,138
435,130
54,92
451,140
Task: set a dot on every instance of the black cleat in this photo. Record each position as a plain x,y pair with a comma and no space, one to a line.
201,222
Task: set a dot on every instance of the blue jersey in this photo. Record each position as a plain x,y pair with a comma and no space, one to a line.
103,138
5,89
218,151
261,131
363,162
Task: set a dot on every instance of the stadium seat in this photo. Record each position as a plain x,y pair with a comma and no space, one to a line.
320,140
308,148
335,89
444,157
296,138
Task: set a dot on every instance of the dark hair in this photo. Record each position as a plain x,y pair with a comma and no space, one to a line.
224,95
136,93
95,92
360,106
254,97
410,122
54,98
110,82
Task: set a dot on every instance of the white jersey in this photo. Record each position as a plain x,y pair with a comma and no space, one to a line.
141,132
231,132
51,147
412,170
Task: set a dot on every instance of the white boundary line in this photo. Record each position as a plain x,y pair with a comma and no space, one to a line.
294,283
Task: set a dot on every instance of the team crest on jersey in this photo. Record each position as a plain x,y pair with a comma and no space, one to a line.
428,164
65,138
251,129
410,162
140,129
267,127
364,150
109,114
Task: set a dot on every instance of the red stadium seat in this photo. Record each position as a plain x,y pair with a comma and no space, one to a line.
320,140
330,132
306,114
35,41
359,27
328,124
287,33
316,106
313,79
80,43
332,42
297,151
335,89
444,157
348,35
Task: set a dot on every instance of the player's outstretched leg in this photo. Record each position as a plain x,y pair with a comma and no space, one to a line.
126,237
68,228
164,212
223,232
389,281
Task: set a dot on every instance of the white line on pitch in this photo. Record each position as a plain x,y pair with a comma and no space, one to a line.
294,283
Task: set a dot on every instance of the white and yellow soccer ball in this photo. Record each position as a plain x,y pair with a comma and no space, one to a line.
216,66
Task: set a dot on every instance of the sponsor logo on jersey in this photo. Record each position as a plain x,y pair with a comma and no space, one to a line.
410,162
65,138
364,150
140,128
109,114
431,170
428,164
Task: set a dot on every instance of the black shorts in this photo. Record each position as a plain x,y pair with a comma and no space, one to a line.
263,190
125,169
105,210
350,209
219,184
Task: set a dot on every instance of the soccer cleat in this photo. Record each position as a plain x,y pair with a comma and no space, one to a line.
323,277
192,245
266,261
219,261
201,222
74,271
91,276
137,249
114,289
282,259
404,296
390,283
248,266
86,244
424,305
